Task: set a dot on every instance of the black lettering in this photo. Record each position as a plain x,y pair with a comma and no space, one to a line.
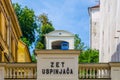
60,71
64,71
56,71
57,64
67,70
47,71
43,71
52,64
71,71
51,71
62,64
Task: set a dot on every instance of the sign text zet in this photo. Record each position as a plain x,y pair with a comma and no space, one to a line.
57,68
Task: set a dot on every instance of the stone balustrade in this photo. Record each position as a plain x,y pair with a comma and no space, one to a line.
28,71
94,71
21,71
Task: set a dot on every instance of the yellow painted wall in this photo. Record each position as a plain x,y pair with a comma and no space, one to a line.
11,49
23,54
10,32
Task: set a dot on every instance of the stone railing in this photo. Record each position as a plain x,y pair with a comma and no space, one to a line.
20,71
94,71
28,71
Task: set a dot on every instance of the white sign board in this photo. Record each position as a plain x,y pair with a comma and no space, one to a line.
57,67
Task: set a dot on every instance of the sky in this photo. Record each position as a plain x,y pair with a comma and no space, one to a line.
70,15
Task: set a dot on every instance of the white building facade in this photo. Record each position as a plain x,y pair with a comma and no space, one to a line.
108,31
55,38
94,13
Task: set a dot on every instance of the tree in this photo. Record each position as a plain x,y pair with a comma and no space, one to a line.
39,45
33,58
89,56
46,27
78,44
46,24
27,21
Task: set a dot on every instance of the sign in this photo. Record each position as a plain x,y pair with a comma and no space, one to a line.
57,65
57,68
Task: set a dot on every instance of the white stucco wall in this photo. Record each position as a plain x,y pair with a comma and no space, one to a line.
57,64
109,31
44,63
94,28
59,35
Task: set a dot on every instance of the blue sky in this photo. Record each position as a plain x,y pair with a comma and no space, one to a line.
70,15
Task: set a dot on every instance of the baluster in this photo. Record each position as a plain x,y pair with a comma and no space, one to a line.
105,73
32,72
35,73
24,73
13,72
90,74
83,76
20,72
93,73
97,72
87,72
10,73
18,75
7,72
100,72
80,72
107,76
109,73
28,72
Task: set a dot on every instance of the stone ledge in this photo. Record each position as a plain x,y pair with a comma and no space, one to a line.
57,52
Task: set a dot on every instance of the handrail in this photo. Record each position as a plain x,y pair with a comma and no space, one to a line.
94,71
21,70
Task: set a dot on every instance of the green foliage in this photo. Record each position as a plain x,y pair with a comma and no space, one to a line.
25,40
27,21
78,44
39,45
89,56
86,56
46,24
46,27
33,58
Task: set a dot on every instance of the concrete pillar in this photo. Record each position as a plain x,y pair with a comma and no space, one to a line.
2,71
57,64
115,71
